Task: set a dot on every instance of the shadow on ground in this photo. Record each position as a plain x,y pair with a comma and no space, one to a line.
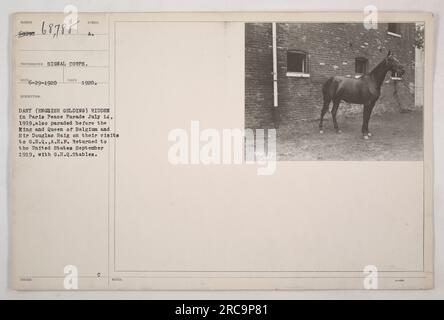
396,137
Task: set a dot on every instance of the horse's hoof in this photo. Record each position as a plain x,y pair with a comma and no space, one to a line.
321,131
338,131
369,134
365,137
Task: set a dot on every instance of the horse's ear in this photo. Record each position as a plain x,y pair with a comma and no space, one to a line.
389,53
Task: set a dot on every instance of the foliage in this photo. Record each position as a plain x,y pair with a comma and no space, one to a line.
419,36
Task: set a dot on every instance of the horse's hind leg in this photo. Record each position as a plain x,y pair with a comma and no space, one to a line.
323,112
334,111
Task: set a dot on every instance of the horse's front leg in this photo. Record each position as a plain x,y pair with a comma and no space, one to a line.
334,111
372,105
368,107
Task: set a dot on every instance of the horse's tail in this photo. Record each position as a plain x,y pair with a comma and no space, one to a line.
327,90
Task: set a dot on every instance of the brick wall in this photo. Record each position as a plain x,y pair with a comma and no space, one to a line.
332,49
258,76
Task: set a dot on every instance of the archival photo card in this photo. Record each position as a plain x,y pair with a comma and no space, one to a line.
221,151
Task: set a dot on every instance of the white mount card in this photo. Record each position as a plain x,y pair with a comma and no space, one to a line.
208,151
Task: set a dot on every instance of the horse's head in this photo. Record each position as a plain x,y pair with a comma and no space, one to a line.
394,64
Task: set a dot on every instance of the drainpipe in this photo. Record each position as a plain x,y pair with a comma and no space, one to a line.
275,110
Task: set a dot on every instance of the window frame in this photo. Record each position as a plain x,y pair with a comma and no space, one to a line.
395,77
305,66
363,60
396,32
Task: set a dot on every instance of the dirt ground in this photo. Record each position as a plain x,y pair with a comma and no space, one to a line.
396,136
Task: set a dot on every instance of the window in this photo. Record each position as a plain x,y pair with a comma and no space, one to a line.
361,65
396,76
297,64
394,30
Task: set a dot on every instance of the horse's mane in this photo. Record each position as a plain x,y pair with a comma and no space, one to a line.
378,66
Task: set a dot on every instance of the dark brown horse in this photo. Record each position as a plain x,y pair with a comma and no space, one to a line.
365,90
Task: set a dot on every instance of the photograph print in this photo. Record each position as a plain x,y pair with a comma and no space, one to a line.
337,91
